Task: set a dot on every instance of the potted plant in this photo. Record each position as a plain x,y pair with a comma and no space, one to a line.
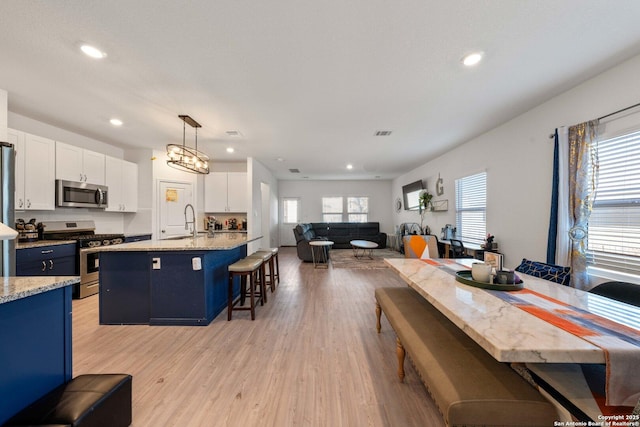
424,205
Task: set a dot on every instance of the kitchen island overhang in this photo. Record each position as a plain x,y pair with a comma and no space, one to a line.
168,282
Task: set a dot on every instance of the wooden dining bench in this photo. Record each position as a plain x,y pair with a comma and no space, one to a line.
468,385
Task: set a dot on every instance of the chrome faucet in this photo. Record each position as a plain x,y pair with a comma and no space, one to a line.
193,221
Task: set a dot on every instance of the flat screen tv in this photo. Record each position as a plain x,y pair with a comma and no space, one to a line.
411,193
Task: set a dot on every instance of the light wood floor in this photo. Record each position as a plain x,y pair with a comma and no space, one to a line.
312,357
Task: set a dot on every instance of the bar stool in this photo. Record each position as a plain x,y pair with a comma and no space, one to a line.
244,268
274,254
266,258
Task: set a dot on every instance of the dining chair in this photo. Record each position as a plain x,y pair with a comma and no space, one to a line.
439,245
457,249
420,246
619,291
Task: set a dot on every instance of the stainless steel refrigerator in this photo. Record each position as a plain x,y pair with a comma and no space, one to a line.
7,214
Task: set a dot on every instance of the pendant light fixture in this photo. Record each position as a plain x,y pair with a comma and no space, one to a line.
186,158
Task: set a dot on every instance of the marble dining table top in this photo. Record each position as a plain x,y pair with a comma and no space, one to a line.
508,333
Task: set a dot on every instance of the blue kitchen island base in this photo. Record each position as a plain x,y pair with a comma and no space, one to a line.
182,287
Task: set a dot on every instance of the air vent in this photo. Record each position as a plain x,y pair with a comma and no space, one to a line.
233,133
294,170
383,133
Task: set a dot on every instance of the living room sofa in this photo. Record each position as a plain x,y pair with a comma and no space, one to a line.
341,233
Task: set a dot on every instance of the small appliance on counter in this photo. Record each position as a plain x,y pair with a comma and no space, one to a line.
27,231
233,223
210,223
448,232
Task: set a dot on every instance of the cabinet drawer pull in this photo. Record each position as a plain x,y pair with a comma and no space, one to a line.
50,264
47,252
44,266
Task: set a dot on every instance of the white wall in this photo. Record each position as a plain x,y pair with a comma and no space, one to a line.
35,127
518,158
311,193
258,174
3,115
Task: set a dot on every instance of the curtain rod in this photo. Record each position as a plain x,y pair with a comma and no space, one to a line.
551,136
619,111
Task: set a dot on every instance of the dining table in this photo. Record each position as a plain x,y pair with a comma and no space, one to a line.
546,331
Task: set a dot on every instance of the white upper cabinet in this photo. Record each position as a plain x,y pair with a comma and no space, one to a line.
225,192
77,164
35,171
121,178
129,186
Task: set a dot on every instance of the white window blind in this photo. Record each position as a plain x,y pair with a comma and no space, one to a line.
332,209
471,208
290,211
614,224
358,209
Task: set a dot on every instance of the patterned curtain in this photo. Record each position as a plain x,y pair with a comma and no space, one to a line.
583,176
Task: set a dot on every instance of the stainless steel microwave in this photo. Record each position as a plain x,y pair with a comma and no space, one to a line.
74,194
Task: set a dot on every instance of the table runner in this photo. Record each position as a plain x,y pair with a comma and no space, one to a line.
620,343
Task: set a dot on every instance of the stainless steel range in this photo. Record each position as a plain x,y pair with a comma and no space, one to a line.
88,262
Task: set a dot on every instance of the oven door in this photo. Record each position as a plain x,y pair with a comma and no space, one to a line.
89,272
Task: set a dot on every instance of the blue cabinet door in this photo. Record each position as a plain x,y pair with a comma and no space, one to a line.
124,288
178,294
53,260
35,333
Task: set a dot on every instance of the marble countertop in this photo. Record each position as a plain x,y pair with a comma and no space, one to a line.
41,243
15,288
506,332
219,241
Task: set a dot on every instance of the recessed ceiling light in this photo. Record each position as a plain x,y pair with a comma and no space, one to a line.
92,51
472,59
116,122
349,166
230,150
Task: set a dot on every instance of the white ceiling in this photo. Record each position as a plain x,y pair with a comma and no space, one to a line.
307,81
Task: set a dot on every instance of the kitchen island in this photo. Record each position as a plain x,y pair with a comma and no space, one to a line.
35,331
168,282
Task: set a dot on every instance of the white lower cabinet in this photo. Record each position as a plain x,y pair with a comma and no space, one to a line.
35,171
122,182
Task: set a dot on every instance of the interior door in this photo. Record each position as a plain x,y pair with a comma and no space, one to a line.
289,218
173,197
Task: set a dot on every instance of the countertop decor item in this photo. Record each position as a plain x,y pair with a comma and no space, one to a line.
464,276
185,158
439,186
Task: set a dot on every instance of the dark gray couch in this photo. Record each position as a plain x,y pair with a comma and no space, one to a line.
341,233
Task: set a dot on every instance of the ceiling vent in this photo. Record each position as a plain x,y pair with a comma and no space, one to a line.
233,133
383,133
294,170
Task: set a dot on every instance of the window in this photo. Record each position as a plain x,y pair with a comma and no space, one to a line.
358,209
290,211
332,209
471,208
614,225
